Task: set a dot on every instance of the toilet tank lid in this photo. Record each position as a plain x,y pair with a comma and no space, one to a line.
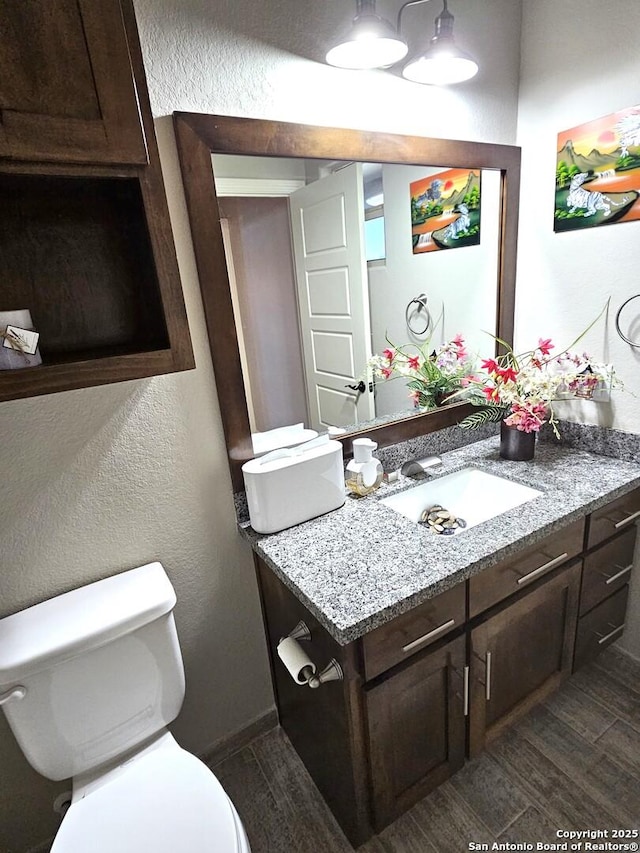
82,619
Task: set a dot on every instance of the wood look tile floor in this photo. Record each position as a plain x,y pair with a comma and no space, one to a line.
572,763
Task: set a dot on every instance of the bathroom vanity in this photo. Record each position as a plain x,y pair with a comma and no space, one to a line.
442,641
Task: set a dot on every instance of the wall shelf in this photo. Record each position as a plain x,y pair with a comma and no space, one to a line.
85,242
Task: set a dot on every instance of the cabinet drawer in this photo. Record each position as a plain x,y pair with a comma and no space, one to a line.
613,517
602,626
515,573
607,569
413,631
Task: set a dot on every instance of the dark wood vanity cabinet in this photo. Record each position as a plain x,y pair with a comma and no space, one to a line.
86,244
437,683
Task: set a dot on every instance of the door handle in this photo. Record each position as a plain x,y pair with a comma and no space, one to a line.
487,684
627,520
360,387
613,578
544,568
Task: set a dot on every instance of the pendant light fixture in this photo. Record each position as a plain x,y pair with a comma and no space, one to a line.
443,63
372,42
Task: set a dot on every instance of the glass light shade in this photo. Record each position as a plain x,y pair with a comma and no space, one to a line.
441,65
371,43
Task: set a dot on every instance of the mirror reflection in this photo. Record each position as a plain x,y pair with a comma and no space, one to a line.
330,261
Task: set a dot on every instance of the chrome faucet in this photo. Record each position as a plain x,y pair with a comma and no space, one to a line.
420,468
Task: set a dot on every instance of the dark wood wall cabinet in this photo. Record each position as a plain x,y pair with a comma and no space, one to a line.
85,239
437,683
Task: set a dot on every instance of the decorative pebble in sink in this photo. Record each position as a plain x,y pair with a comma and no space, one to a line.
440,520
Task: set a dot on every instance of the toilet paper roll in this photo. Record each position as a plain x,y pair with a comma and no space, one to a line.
293,657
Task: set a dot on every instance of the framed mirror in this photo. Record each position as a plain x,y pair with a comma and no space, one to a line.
244,177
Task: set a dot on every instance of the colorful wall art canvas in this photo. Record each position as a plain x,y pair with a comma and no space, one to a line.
445,210
598,172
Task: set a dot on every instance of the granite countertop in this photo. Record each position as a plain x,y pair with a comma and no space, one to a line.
363,564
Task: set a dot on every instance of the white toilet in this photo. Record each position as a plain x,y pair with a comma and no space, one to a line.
89,681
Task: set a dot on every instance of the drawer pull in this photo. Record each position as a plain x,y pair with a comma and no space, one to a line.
544,568
627,520
613,578
487,683
466,691
610,634
415,643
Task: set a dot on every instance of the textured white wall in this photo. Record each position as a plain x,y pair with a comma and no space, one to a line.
265,60
579,61
106,478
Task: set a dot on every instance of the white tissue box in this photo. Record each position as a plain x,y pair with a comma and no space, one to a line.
294,485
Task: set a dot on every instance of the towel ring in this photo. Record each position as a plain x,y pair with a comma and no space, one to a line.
619,330
421,302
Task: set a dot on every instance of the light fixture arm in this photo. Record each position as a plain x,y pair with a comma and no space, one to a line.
404,6
444,23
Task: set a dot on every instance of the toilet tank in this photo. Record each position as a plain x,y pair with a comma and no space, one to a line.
92,673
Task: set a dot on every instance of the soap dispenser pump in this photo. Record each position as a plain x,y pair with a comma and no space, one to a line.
364,471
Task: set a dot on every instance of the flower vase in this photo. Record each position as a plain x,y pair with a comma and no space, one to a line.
516,445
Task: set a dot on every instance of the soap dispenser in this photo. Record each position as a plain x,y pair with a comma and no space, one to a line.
364,471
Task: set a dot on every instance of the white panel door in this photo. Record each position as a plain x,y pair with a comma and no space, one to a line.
327,225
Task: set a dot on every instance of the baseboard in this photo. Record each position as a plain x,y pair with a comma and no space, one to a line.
227,745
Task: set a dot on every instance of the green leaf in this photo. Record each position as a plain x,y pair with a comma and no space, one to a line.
489,415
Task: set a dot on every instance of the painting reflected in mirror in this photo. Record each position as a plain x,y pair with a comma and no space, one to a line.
324,274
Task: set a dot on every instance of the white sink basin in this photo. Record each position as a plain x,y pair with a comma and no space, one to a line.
470,494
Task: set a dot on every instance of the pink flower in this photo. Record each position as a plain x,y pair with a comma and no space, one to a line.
415,396
465,381
507,374
387,372
389,354
527,418
491,394
490,365
414,362
545,346
458,340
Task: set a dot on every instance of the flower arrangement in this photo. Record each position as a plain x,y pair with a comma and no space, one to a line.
521,389
430,377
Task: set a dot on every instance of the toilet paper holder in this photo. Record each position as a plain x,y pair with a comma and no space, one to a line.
300,667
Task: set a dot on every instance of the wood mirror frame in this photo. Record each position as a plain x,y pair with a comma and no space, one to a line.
200,135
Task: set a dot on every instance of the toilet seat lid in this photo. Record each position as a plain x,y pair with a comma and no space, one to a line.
165,801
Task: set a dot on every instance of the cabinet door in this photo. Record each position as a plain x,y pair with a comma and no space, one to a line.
416,730
67,91
521,654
